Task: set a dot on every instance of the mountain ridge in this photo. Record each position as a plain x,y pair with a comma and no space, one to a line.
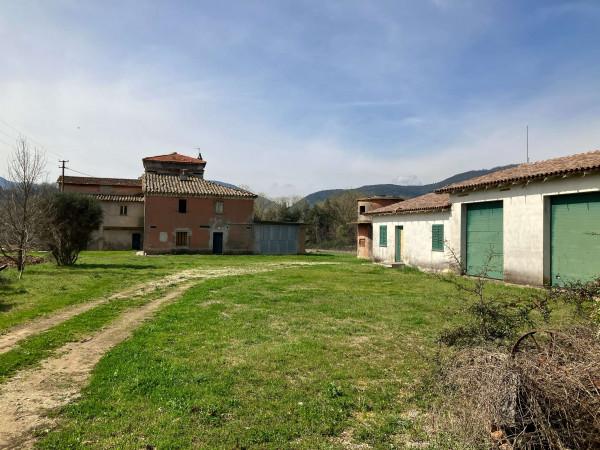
398,190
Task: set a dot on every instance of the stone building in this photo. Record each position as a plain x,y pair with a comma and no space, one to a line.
172,208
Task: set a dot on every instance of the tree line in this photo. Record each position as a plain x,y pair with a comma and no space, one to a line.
35,215
329,224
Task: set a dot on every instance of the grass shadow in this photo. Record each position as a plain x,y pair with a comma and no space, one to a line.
6,287
93,266
5,307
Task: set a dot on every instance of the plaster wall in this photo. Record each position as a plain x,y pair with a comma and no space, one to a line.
416,245
526,216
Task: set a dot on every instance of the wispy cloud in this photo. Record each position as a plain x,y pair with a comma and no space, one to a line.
291,97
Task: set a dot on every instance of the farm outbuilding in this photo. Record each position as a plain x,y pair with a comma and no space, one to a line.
171,208
278,238
536,223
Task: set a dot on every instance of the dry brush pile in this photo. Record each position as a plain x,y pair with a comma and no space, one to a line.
544,394
537,391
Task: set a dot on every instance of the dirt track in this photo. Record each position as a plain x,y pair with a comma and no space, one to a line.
26,399
11,337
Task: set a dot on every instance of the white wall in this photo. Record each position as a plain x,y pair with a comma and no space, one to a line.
526,223
416,239
112,218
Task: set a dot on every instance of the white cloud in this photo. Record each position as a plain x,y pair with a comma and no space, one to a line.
104,114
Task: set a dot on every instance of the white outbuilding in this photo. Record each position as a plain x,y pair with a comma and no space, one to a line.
535,223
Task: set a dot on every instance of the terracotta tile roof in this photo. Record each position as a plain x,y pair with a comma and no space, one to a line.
166,184
175,158
581,162
380,197
102,181
118,198
423,203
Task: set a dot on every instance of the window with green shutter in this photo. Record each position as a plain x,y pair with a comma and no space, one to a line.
437,238
383,235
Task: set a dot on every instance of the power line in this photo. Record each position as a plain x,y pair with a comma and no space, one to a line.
44,147
6,143
6,134
80,173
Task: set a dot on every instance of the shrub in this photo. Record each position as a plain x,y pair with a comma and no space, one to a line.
585,296
71,220
491,318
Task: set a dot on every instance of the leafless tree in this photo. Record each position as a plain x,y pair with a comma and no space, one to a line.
19,203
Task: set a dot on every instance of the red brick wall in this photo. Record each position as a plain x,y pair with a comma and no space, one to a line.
97,189
200,220
364,234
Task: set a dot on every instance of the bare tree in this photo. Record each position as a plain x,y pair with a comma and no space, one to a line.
19,204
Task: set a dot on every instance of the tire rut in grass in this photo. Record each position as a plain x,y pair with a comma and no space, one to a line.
27,398
10,338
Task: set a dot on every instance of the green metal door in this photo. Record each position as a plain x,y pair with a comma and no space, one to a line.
485,255
575,238
398,242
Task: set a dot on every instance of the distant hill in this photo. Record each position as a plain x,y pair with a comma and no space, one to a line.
4,183
398,190
261,202
222,183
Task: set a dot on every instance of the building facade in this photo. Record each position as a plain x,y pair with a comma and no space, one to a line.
122,202
536,223
364,226
171,208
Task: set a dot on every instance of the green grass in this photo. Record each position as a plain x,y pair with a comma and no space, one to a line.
46,287
35,348
305,357
312,357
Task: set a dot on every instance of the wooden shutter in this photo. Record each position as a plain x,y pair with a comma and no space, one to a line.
437,238
383,235
181,239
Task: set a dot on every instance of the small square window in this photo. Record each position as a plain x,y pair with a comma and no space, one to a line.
123,210
219,207
362,209
361,242
182,205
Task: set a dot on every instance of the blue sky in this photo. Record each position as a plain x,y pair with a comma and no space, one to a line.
292,97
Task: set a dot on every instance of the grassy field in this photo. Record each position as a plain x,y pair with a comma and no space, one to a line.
46,288
326,356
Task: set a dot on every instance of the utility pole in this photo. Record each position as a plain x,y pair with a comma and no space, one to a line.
62,179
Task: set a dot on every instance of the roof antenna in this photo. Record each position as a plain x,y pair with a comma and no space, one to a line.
199,153
527,141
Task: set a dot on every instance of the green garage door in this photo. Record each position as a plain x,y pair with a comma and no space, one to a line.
575,237
484,240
